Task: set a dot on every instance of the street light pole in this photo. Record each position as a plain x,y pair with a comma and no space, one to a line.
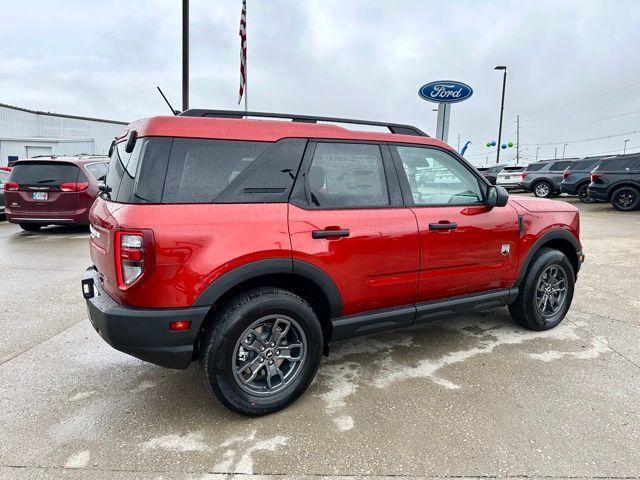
504,84
564,147
625,146
537,150
185,55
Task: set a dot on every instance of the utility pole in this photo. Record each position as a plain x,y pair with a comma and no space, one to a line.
504,85
185,55
517,139
459,143
564,147
537,150
625,146
555,153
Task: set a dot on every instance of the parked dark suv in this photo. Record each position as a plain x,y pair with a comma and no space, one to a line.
250,244
53,190
617,180
543,178
577,176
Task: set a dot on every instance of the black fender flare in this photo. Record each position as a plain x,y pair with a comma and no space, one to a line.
271,266
559,234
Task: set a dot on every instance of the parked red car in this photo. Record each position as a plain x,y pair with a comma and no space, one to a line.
251,244
53,190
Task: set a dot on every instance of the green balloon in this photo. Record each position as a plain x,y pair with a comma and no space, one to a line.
488,144
510,144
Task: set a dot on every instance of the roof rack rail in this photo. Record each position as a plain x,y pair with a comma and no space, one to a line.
393,127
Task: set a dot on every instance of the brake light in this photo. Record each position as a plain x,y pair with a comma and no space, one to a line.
596,176
74,186
566,173
179,325
11,186
134,256
524,175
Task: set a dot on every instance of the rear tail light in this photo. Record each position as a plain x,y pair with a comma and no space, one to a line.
179,325
134,256
566,173
11,186
596,176
74,186
524,175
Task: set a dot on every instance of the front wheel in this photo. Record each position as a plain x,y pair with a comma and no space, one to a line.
625,199
262,351
545,292
542,189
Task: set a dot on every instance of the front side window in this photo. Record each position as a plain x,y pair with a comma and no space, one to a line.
437,178
346,175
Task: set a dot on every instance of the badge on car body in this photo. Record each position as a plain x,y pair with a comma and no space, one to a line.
505,249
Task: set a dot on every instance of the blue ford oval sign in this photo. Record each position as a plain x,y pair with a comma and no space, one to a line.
445,91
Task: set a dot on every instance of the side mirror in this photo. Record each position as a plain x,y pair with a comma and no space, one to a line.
497,196
131,141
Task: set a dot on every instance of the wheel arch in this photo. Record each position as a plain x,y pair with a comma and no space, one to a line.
302,278
624,183
560,239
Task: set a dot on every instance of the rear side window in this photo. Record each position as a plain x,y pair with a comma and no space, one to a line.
534,167
630,163
44,173
344,175
559,166
582,165
199,170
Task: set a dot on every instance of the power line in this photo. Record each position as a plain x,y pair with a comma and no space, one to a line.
582,140
535,129
582,111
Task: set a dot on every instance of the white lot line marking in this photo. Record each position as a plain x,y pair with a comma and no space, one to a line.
78,460
237,455
81,396
190,442
341,378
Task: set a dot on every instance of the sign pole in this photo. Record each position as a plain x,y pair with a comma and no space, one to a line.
442,123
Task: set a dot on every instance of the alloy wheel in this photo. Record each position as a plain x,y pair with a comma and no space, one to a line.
551,290
542,190
625,199
269,355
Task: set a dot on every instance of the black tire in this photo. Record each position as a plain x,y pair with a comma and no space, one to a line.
30,227
542,189
625,199
218,349
524,310
583,194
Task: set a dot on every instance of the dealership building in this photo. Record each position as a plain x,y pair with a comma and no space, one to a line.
28,133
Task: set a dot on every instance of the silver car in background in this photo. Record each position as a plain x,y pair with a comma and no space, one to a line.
510,177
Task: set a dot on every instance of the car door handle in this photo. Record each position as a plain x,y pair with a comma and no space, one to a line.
343,232
443,226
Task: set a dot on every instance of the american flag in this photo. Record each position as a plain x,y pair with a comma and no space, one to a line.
243,52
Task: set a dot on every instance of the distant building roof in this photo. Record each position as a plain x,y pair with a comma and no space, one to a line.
51,114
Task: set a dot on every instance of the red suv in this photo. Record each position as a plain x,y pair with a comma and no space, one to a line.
251,244
53,190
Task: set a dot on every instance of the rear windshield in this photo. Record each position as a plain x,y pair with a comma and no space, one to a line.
44,173
513,169
191,170
534,167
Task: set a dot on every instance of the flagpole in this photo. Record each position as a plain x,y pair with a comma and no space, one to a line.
246,64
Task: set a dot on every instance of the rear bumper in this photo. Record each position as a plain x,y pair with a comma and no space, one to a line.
598,194
142,332
568,189
80,217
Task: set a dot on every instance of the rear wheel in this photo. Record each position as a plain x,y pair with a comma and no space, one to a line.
262,351
542,189
625,199
30,227
583,194
545,292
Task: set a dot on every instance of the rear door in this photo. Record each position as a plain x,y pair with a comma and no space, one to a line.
40,187
466,247
346,217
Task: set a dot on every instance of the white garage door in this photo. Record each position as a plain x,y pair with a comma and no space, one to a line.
33,151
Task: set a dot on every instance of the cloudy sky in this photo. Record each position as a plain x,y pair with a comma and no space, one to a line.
574,66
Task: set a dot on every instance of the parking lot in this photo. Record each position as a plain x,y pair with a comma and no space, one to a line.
464,396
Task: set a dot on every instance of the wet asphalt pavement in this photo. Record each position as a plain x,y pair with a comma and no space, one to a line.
466,396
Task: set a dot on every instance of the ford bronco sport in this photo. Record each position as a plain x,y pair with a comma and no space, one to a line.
250,244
